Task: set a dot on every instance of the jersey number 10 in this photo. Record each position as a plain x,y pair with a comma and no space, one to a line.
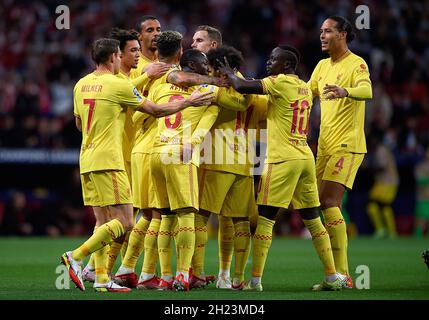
301,114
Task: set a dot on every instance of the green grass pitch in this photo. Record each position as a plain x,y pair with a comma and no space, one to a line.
28,269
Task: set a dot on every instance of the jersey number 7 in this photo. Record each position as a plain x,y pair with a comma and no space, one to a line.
91,103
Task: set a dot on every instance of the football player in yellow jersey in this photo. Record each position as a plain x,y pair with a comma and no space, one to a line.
289,176
174,162
226,186
342,83
206,38
100,102
383,192
169,44
130,48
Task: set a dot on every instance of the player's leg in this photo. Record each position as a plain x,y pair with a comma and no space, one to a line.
88,273
387,210
261,244
322,245
374,210
335,175
182,190
198,278
168,221
214,186
126,273
123,213
101,189
148,278
165,252
238,204
226,250
141,188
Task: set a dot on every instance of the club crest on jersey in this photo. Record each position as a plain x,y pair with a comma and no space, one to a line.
137,94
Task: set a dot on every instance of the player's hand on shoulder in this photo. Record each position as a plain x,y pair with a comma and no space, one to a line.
200,99
156,70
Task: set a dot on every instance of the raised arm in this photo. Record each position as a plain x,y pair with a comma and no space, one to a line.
188,79
240,85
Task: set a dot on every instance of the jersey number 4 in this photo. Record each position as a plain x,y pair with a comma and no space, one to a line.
91,103
301,114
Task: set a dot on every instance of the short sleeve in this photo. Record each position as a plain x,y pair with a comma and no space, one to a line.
129,96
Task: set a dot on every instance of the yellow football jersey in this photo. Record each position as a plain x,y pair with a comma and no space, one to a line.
187,126
143,62
101,101
231,134
146,125
129,132
289,106
342,120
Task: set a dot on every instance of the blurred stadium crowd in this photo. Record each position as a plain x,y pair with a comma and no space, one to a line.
39,66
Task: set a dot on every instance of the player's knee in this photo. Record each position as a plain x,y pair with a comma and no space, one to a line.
242,219
128,224
268,212
329,202
309,213
204,213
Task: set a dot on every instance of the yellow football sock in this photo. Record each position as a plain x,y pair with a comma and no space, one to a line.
127,236
389,218
241,248
336,227
115,248
226,242
151,247
101,237
261,244
201,238
165,235
375,215
91,263
185,239
321,243
100,260
135,243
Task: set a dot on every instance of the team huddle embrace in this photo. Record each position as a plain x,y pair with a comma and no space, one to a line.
168,138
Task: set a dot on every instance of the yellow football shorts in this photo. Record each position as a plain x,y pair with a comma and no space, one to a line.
142,186
292,181
127,165
175,185
341,168
383,193
229,194
106,188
